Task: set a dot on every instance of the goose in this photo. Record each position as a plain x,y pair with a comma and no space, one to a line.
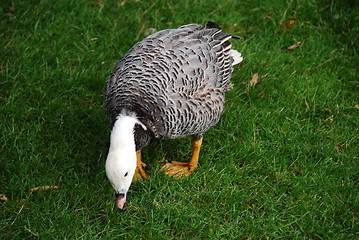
169,85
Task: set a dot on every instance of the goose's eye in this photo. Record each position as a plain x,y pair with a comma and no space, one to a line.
126,174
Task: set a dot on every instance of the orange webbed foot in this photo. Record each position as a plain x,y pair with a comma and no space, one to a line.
177,169
184,169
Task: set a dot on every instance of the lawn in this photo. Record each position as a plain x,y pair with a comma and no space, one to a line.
281,164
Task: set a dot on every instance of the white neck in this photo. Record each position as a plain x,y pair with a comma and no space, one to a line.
122,135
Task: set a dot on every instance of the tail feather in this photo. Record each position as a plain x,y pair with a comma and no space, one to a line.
223,40
212,25
237,56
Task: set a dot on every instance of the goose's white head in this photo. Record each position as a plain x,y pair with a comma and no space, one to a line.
120,168
121,158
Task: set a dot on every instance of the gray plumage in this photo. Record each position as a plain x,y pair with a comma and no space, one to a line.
174,81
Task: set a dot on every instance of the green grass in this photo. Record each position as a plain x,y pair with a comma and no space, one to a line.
281,164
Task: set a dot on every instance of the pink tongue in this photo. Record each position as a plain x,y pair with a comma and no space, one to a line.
120,202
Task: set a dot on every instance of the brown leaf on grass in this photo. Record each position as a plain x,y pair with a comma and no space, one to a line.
288,24
3,197
43,188
329,119
254,80
297,45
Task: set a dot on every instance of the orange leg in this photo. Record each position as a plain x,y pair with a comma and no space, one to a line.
184,169
140,173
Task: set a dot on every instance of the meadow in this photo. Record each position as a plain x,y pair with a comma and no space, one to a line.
281,164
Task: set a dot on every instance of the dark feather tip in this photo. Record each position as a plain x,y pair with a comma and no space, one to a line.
235,36
212,25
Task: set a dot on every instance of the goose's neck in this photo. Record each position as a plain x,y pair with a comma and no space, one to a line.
122,135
